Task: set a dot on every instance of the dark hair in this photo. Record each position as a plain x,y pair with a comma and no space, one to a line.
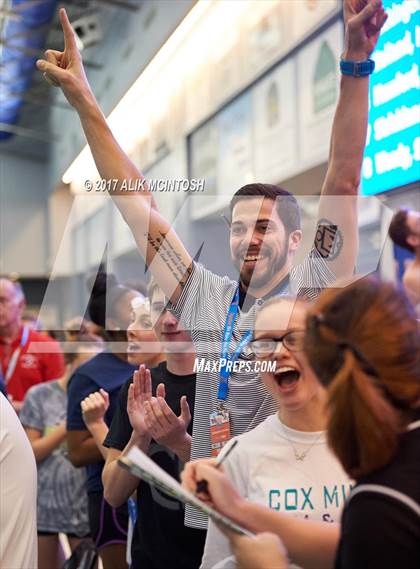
362,342
399,230
287,206
106,293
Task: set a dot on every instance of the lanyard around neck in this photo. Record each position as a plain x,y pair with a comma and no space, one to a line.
226,361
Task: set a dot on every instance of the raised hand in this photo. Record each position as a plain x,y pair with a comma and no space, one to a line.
363,20
166,428
65,68
94,407
139,392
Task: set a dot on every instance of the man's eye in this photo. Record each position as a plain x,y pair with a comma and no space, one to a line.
237,230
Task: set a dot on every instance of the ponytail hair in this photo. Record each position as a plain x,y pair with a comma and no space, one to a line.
362,341
363,425
105,296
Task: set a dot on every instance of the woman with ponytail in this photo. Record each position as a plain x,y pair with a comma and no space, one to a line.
362,342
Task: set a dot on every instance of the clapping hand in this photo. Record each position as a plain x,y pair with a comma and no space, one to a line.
139,392
168,429
94,407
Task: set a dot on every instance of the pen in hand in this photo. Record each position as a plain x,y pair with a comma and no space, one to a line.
202,485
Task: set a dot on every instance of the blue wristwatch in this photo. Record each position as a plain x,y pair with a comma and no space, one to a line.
357,68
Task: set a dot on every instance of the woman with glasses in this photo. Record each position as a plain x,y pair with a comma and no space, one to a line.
284,463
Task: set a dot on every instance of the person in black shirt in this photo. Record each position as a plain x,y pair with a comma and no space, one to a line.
160,538
363,343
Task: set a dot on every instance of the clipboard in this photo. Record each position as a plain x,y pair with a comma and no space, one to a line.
140,465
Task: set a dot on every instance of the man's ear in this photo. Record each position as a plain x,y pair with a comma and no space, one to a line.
22,306
294,240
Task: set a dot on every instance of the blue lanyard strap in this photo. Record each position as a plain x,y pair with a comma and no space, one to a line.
132,510
225,369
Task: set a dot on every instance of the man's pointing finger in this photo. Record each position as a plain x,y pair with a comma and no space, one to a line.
69,36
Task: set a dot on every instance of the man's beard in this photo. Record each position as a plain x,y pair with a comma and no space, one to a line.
249,279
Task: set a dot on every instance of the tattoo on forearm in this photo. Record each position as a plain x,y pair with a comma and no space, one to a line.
328,240
164,248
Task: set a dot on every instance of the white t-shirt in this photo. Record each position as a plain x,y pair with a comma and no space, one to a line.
18,537
264,469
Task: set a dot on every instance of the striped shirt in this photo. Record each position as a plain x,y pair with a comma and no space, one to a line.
202,309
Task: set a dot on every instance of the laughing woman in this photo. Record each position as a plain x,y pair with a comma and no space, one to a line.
284,463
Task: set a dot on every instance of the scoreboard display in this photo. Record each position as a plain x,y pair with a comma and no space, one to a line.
392,155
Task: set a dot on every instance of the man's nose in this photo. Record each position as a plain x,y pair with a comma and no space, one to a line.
251,238
255,238
168,319
131,331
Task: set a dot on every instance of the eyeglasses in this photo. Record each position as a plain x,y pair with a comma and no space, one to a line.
265,347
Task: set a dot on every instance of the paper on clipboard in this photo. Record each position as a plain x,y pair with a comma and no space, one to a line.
139,464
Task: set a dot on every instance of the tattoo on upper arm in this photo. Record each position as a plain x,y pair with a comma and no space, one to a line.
328,240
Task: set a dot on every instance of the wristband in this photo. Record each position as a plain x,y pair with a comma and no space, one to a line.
357,68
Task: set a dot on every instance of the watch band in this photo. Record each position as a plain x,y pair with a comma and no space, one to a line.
357,68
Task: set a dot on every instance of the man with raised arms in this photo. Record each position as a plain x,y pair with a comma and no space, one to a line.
265,233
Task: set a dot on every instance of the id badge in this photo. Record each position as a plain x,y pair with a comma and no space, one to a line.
219,429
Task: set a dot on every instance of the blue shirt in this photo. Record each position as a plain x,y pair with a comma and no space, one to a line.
104,370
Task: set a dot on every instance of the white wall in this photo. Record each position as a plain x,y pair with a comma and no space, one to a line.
23,216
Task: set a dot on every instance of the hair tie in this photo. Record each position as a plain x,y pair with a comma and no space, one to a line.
366,365
315,321
372,373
